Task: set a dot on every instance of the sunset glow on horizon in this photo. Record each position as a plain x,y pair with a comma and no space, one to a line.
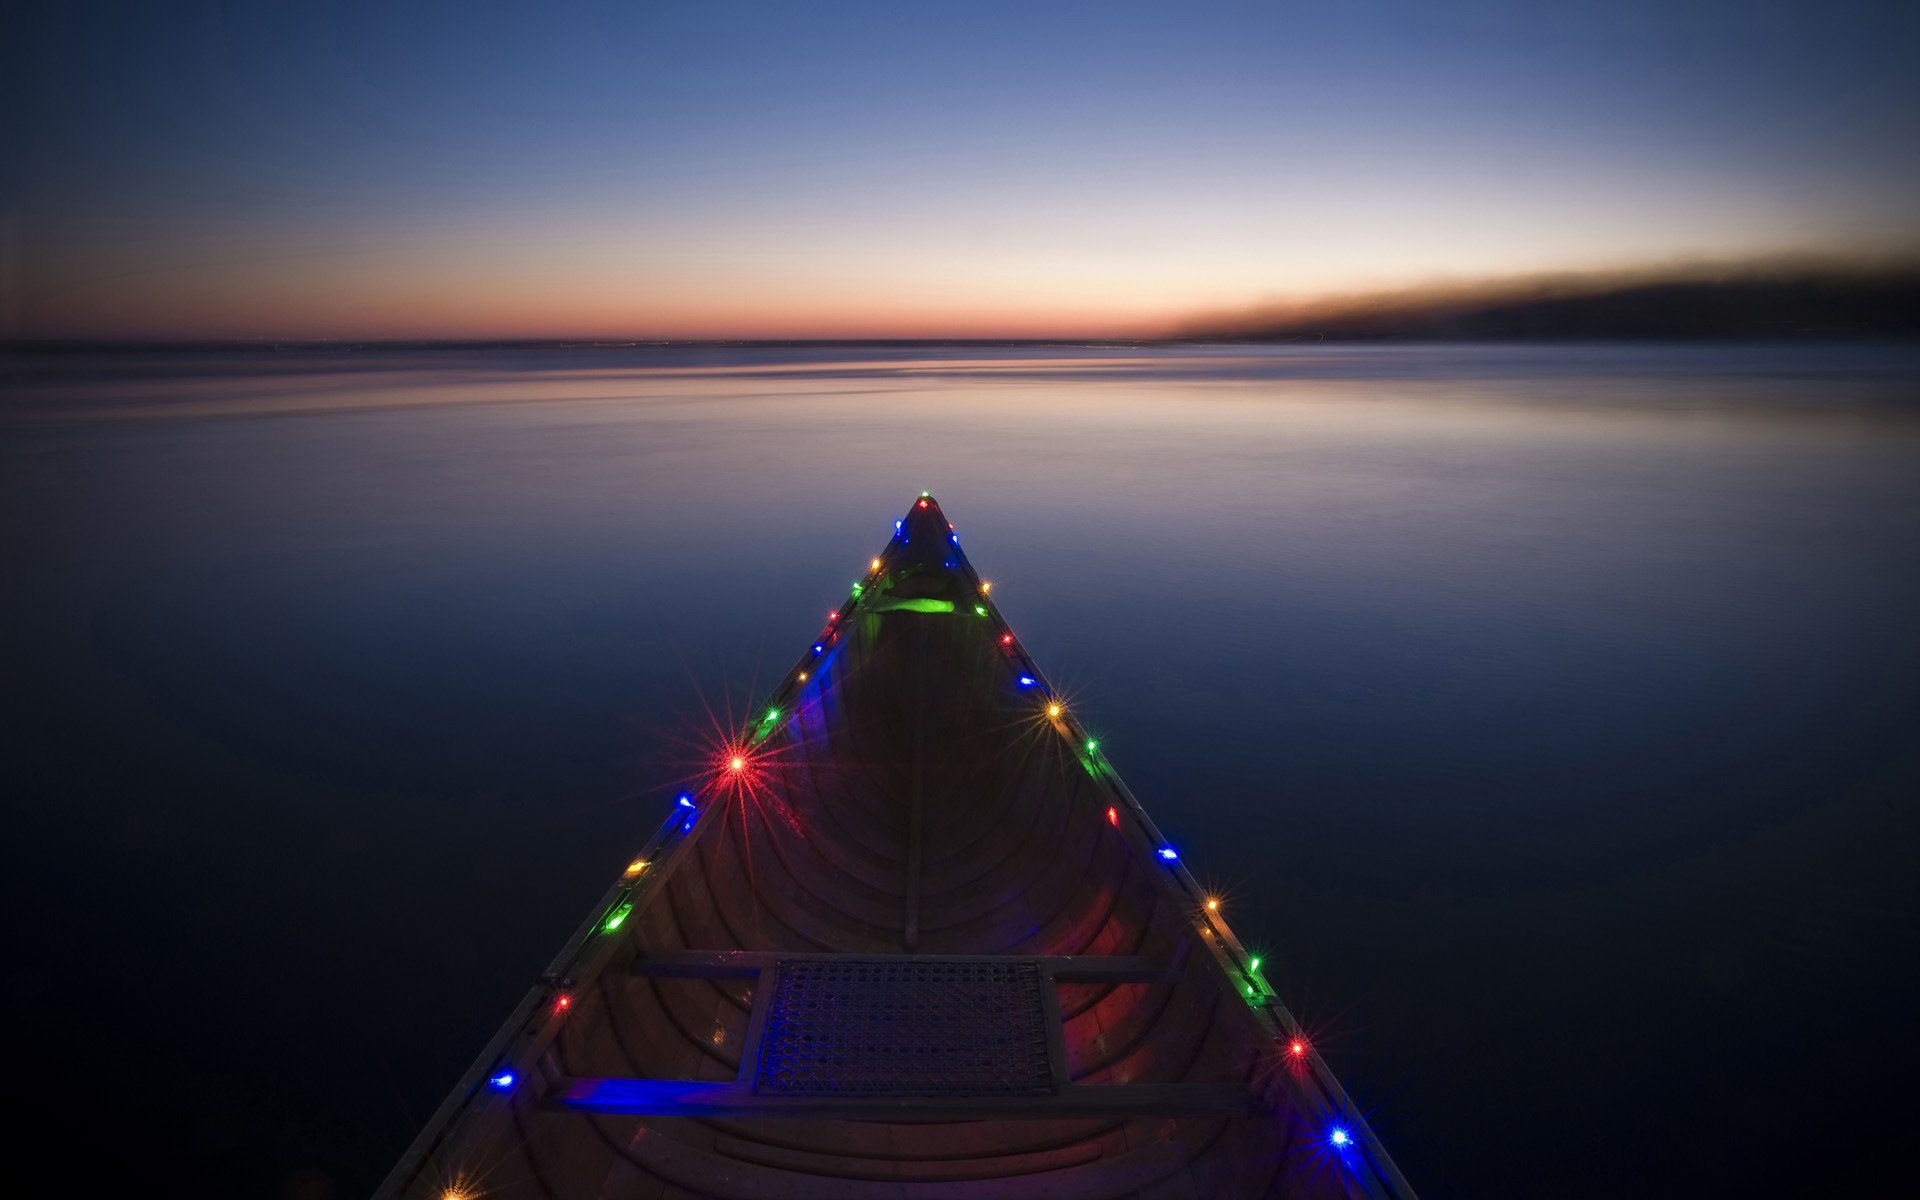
765,172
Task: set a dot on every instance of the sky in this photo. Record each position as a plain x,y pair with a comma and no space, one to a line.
196,170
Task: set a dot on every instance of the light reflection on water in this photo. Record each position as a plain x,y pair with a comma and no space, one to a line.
1546,713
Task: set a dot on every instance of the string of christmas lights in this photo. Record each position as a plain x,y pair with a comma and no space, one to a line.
1292,1044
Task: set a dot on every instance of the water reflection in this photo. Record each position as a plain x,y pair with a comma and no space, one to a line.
1545,713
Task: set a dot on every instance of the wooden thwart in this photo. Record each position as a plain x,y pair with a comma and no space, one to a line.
693,1098
741,1098
1063,968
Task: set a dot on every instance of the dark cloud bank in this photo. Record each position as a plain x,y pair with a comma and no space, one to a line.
1746,302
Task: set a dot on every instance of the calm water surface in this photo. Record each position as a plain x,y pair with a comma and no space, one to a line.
1547,715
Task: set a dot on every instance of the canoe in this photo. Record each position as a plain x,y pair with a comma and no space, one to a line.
910,936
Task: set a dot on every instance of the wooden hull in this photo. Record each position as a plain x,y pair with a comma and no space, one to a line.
913,938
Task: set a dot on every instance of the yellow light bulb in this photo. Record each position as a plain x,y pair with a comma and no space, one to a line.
636,866
875,566
1213,905
1053,710
986,585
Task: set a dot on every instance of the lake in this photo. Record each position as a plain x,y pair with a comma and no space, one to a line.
1549,715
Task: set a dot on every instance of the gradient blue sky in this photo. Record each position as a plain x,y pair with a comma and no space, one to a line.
404,169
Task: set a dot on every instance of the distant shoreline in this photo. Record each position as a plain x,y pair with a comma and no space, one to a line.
1737,307
33,348
1809,307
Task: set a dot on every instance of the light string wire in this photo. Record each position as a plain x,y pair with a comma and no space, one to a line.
502,1065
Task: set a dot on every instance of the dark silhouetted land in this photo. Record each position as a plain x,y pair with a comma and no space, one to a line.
1807,303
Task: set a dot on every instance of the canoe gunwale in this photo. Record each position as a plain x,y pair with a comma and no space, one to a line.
662,854
523,1041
